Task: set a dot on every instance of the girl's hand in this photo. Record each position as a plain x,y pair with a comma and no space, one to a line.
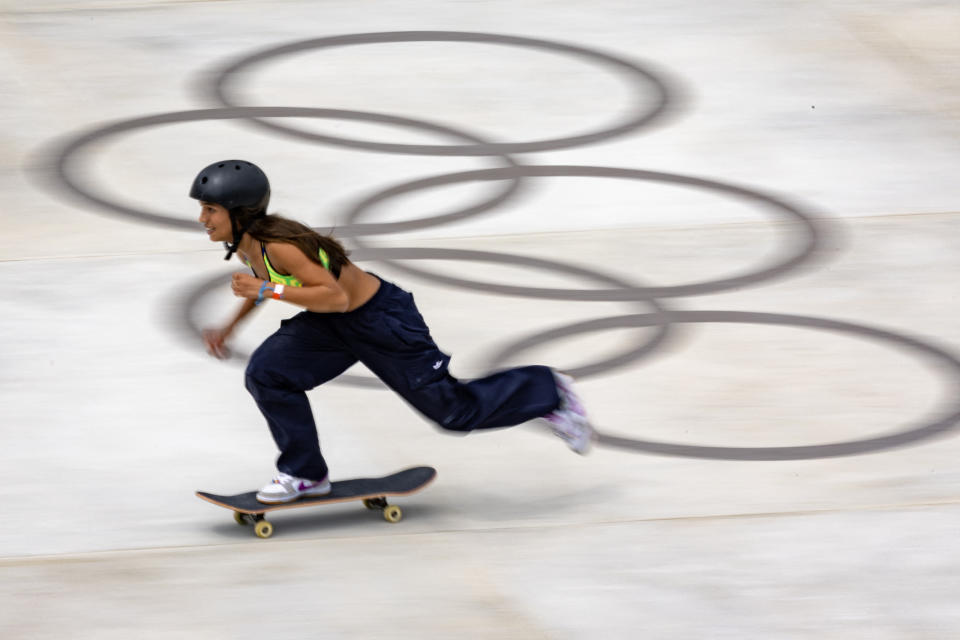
215,340
246,286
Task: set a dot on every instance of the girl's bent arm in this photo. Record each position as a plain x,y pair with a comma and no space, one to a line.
320,291
319,298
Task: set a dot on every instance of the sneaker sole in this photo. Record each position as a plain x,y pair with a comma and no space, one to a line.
583,443
285,499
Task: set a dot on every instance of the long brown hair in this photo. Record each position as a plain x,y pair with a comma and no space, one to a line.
274,228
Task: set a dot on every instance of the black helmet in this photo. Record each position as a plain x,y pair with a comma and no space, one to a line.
238,186
232,184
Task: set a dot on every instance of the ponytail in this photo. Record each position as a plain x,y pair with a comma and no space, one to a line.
274,228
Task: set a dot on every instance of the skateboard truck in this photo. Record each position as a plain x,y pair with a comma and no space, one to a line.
391,512
264,528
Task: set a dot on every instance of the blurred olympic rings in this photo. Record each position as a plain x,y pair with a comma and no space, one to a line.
653,95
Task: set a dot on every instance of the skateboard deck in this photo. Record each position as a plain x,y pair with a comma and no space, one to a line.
372,491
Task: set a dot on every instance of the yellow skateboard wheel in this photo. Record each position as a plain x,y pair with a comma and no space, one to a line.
392,513
263,529
239,518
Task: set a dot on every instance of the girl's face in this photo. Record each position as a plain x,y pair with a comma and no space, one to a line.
216,220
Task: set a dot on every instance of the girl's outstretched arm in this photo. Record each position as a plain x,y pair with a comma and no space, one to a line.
216,339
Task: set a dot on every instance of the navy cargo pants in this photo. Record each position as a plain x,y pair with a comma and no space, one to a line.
389,336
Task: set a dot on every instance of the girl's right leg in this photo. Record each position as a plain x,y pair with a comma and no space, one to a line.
391,338
301,355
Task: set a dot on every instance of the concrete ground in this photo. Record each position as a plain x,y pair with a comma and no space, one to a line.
740,229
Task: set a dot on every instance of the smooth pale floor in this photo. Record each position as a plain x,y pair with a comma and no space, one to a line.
111,415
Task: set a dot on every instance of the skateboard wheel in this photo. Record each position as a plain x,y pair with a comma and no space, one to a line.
263,529
392,513
240,518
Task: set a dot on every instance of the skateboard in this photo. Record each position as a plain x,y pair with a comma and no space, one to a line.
373,492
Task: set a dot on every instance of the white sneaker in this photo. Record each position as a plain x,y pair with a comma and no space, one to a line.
569,421
286,488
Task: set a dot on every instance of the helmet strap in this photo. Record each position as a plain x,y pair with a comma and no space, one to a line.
238,234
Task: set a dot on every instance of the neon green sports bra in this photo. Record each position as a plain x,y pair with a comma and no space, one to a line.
279,278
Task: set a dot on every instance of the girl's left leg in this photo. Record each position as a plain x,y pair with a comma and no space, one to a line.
301,355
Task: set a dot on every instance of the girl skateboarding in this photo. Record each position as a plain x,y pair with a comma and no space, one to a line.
349,315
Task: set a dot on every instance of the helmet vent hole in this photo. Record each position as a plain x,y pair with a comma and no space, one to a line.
236,167
220,166
203,180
